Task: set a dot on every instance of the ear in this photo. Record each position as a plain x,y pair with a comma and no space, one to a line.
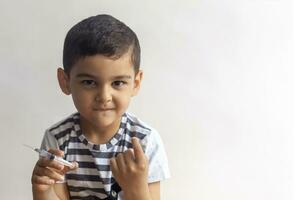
64,81
137,82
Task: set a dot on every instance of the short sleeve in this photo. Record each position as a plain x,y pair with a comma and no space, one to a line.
158,162
49,141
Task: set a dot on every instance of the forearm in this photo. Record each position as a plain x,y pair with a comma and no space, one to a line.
137,197
46,195
140,193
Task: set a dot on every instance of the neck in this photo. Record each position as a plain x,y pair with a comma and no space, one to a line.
99,135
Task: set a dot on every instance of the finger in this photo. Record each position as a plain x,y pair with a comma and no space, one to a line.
74,166
138,151
129,156
44,180
44,162
114,166
56,152
121,162
41,171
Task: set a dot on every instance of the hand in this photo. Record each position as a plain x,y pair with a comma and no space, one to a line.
47,172
130,169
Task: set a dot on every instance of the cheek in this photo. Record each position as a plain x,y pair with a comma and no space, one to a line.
122,100
82,99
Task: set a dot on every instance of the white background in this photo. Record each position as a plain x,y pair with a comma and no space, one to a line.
219,86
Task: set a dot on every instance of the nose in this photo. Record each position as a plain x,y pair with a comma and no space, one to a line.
103,95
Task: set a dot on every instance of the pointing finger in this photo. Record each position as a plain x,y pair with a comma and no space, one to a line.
56,152
114,166
138,150
43,162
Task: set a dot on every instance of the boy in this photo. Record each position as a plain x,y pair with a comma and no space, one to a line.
116,156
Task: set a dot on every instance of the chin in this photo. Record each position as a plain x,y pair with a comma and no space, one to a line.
105,119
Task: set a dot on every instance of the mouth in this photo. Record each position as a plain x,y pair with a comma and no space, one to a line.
103,109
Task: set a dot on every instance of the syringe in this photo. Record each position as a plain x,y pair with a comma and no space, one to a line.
45,154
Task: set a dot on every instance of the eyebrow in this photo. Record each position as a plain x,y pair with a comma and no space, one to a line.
83,75
122,77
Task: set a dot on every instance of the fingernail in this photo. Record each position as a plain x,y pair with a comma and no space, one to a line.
75,164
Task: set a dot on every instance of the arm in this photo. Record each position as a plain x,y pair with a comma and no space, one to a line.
130,170
154,189
58,191
150,193
62,191
46,172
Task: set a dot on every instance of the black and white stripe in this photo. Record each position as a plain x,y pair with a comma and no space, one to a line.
93,179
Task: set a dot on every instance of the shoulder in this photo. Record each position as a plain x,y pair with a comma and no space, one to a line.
64,126
136,125
148,135
57,134
135,121
153,147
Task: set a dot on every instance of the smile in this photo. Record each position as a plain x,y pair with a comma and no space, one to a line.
103,109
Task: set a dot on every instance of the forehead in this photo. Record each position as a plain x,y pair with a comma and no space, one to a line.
103,67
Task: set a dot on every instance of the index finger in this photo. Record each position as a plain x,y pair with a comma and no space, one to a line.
138,150
56,152
44,162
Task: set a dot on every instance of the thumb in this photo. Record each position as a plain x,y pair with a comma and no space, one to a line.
75,166
67,168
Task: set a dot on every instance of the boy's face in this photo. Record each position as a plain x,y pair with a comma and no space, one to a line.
101,88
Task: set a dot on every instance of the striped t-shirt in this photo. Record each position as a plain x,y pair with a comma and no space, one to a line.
93,178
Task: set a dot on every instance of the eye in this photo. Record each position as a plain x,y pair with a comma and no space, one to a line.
119,84
88,83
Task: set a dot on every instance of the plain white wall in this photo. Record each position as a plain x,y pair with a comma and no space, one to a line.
218,86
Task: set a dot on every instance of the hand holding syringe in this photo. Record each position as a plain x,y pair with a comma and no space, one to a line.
50,169
45,154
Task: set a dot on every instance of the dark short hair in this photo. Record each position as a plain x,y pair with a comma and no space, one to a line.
101,34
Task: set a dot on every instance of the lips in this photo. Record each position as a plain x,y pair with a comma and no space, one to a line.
103,109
